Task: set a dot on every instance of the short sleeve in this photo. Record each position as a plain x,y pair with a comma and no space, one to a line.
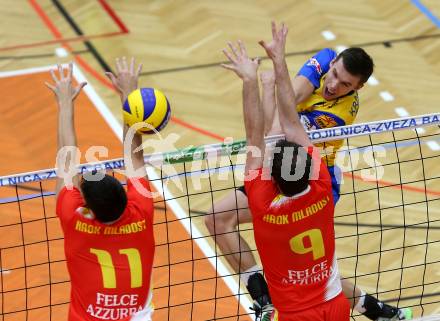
260,190
139,196
317,66
67,202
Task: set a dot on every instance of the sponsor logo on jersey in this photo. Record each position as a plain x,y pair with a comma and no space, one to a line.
306,122
85,212
313,62
314,274
325,121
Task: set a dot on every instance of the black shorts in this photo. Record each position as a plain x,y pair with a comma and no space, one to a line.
242,189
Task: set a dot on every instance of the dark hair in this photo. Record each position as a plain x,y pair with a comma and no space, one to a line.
357,62
301,160
106,198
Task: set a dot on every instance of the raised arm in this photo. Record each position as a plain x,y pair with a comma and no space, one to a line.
287,101
302,88
65,94
268,101
246,68
125,81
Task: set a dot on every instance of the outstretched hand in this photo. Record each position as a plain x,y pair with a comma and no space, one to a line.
63,87
245,67
126,79
276,48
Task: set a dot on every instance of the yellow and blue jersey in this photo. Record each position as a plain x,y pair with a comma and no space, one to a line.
316,112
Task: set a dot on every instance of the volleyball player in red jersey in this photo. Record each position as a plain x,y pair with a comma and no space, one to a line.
108,232
345,74
291,203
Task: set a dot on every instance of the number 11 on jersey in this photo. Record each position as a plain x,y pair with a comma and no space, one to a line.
108,269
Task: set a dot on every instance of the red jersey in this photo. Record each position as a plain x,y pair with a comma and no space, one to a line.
295,240
110,265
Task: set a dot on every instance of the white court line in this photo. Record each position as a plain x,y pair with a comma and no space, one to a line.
386,96
328,35
4,74
433,145
203,41
372,81
420,131
401,111
61,52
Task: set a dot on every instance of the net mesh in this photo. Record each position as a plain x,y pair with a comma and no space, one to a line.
387,227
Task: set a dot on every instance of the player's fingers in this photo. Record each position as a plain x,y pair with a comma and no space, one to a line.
124,63
274,30
242,48
228,55
284,30
138,72
227,66
66,72
118,65
233,49
78,89
132,65
54,77
256,60
112,79
263,44
81,86
70,70
60,71
109,75
51,87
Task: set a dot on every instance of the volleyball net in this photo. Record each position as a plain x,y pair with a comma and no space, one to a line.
387,225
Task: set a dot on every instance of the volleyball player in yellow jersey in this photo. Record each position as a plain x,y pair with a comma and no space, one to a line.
326,91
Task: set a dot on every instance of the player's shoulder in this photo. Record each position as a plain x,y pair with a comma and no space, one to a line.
68,197
322,59
138,187
68,192
260,189
326,55
320,181
317,66
139,198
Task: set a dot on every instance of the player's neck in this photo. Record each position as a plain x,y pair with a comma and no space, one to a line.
112,222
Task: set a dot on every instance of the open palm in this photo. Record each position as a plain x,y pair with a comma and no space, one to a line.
275,49
245,67
63,87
